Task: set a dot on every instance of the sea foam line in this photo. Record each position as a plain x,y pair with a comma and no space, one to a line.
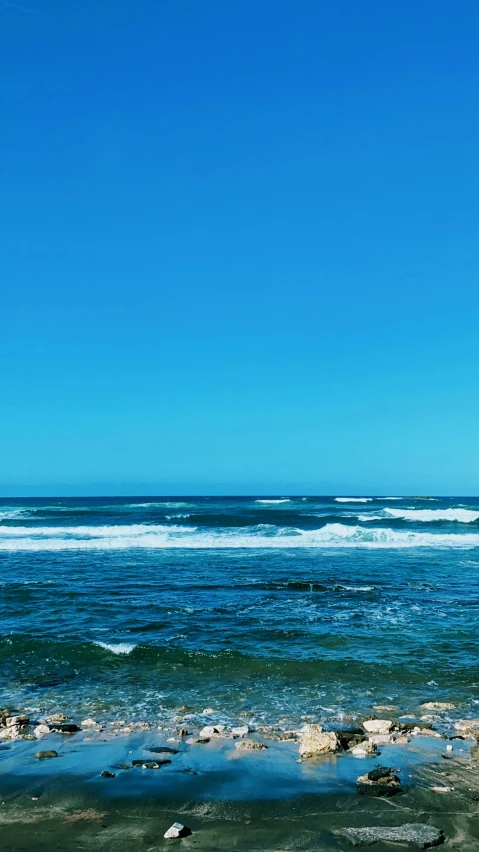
335,535
353,499
464,516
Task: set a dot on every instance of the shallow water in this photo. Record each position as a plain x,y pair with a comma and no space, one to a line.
130,607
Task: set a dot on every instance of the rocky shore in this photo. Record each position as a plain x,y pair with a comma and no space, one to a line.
423,767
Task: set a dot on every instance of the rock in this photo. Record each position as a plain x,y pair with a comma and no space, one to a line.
438,705
468,727
162,750
56,718
212,730
16,721
284,735
363,748
198,740
43,755
475,752
417,834
10,733
150,764
349,738
379,782
250,745
377,726
385,708
177,830
107,774
208,712
64,729
442,789
401,740
41,730
89,723
380,739
314,740
242,731
183,732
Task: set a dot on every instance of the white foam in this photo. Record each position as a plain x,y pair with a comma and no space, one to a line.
117,530
335,535
283,500
353,499
464,516
120,648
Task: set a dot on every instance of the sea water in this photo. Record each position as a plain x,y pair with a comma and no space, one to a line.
272,608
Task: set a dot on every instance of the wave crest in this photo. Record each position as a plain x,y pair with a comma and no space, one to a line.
332,535
463,516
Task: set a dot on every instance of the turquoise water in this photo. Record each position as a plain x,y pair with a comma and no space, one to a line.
128,608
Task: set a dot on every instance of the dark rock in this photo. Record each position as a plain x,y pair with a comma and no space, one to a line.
416,834
379,782
162,750
183,732
64,728
383,772
410,725
107,774
350,738
150,764
42,755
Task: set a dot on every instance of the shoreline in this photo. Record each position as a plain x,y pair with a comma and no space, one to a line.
230,797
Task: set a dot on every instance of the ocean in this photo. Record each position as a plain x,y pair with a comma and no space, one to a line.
274,608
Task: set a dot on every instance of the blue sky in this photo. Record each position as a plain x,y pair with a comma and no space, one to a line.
239,246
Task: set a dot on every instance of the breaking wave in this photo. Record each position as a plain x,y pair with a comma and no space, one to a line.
464,516
353,499
332,535
120,648
283,500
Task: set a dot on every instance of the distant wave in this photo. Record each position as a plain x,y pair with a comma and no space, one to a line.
389,498
120,648
464,516
11,514
353,499
163,537
157,505
283,500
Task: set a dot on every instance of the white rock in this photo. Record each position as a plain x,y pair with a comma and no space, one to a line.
208,712
380,739
9,733
442,789
212,730
242,731
56,718
364,748
176,830
468,726
89,723
377,726
314,740
449,748
438,705
41,730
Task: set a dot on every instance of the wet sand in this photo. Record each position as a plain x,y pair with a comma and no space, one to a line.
231,800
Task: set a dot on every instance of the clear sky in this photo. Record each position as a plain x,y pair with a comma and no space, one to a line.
239,246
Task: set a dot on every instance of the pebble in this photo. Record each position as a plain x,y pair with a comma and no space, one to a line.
42,755
177,830
107,774
250,745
